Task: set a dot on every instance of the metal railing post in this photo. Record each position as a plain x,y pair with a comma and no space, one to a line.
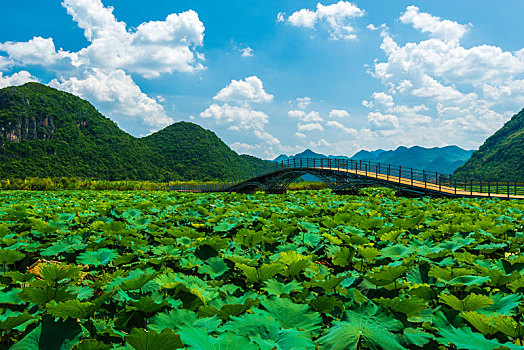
471,187
489,195
388,171
424,178
411,176
399,173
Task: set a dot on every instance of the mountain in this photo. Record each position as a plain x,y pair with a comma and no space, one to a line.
367,155
444,160
49,133
305,154
501,157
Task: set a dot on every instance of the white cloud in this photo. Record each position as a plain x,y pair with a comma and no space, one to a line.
113,54
303,102
305,117
37,51
247,52
443,29
266,137
338,113
116,93
309,127
320,143
248,90
438,92
154,48
242,148
300,135
242,117
336,17
15,79
341,127
383,121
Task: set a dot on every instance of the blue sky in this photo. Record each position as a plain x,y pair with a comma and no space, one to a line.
272,77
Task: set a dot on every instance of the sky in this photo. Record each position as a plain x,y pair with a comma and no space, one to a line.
272,77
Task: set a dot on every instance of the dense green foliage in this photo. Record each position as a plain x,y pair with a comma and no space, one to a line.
73,183
501,156
156,270
64,136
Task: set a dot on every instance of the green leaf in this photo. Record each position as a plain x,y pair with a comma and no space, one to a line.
470,303
417,337
91,344
274,287
503,305
71,308
291,315
140,339
292,339
251,325
42,296
9,257
411,307
481,322
344,256
50,334
263,273
96,258
214,267
146,304
468,280
386,275
463,338
10,319
172,319
361,326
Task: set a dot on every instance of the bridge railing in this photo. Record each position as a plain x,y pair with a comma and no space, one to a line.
405,176
431,180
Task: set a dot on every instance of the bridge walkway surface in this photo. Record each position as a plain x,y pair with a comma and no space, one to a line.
348,176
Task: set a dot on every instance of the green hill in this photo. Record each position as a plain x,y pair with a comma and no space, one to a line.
49,133
501,156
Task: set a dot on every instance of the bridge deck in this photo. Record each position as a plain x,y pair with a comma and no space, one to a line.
336,172
425,185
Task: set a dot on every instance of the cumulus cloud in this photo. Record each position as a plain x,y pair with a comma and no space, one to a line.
383,121
18,78
37,51
338,113
115,52
116,94
443,29
240,117
154,48
303,102
300,135
310,127
335,17
339,126
237,111
305,117
247,52
437,91
244,91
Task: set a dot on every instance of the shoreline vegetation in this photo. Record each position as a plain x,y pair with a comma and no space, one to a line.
74,183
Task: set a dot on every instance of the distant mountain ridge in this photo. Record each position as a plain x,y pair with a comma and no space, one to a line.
501,157
442,159
45,132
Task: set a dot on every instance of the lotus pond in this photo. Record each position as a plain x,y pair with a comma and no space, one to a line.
307,270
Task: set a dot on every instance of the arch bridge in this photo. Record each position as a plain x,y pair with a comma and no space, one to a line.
348,176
